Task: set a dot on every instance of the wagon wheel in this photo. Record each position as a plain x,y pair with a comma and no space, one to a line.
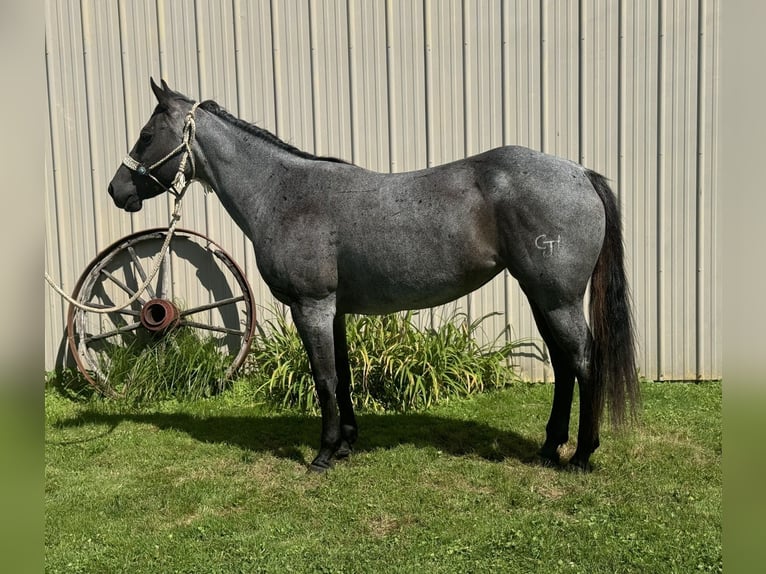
199,292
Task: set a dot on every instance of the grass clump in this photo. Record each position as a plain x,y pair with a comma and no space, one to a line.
395,365
178,365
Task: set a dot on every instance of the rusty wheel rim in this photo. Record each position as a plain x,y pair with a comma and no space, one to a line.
227,315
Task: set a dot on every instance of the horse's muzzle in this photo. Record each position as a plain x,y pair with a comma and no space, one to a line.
128,203
133,203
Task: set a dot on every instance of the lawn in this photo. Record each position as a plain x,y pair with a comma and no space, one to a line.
218,485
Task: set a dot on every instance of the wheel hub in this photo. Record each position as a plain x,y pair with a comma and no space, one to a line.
159,315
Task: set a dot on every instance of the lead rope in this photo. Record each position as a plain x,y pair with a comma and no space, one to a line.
178,189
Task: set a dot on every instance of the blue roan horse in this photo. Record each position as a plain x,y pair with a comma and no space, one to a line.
333,238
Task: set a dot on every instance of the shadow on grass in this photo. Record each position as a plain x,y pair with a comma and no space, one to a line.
285,436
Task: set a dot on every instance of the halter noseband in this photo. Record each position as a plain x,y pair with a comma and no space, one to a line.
180,183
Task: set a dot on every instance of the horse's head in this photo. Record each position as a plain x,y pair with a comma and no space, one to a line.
155,159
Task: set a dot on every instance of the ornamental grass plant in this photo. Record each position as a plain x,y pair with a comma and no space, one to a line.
181,365
396,365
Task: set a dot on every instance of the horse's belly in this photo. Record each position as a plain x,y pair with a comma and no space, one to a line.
375,293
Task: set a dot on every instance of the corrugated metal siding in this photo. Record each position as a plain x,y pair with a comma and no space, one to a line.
627,88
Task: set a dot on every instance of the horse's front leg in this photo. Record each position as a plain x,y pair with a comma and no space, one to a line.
314,320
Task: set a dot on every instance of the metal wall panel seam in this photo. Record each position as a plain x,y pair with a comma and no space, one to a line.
428,104
641,118
390,86
161,37
467,145
581,114
716,367
543,103
163,70
314,83
661,51
350,30
159,16
683,286
535,72
122,17
353,52
428,90
688,310
621,111
700,215
504,134
649,200
85,27
199,36
276,68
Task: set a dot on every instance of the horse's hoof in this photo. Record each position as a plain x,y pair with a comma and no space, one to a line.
319,466
344,451
549,457
549,462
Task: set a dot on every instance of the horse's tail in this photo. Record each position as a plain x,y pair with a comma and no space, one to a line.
613,358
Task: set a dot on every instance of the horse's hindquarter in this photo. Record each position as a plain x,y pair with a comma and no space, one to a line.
551,219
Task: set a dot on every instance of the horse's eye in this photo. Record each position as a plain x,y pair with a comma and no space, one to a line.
145,137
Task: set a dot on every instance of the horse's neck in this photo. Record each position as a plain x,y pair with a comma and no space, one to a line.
239,167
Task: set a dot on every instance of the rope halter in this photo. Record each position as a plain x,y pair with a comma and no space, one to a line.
180,183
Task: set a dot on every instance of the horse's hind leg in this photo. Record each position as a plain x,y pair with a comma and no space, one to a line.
557,429
569,329
314,321
348,426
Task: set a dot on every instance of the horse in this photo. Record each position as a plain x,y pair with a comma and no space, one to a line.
332,238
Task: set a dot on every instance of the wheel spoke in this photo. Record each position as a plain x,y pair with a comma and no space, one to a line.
121,285
214,305
140,270
107,334
197,325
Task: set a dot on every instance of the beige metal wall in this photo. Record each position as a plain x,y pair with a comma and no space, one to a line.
627,87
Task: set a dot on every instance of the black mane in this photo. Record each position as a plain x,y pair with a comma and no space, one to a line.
214,108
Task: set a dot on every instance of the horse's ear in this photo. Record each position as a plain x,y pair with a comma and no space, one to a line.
160,93
165,95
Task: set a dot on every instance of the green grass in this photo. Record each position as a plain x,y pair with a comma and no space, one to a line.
181,364
220,485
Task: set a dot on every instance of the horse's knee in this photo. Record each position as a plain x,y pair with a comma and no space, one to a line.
325,388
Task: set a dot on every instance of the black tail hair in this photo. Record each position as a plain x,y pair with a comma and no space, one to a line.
613,352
